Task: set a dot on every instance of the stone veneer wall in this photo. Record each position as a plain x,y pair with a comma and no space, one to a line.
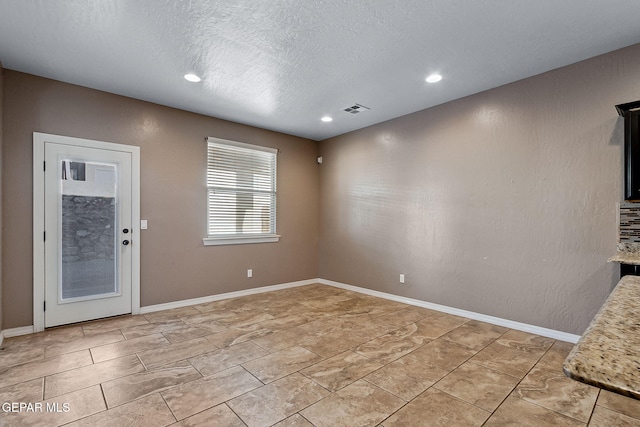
630,223
88,230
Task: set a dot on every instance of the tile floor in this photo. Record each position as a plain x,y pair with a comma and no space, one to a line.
307,356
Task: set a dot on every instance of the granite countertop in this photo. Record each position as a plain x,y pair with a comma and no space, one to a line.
626,258
607,354
627,253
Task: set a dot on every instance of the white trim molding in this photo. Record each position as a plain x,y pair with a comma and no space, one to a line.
227,295
538,330
545,332
16,332
39,141
241,240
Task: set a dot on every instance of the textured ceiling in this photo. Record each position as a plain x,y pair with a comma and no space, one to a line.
283,64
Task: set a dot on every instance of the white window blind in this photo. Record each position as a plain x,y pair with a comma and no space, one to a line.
241,193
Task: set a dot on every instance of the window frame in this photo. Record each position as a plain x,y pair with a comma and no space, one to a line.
244,238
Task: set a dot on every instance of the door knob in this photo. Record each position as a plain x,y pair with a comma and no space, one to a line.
125,231
125,242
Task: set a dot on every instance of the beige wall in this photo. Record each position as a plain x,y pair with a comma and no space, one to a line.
502,203
174,265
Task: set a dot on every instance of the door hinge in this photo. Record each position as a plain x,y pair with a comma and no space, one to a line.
44,166
44,308
44,236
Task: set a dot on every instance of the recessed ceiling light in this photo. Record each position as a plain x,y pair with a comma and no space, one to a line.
326,119
434,78
192,78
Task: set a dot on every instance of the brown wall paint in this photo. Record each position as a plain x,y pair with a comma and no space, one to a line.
175,265
501,203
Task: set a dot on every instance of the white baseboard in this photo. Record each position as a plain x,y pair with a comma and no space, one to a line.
14,332
218,297
545,332
537,330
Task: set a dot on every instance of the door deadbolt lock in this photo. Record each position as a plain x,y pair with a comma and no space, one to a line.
125,231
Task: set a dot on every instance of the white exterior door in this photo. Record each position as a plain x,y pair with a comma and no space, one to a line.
90,236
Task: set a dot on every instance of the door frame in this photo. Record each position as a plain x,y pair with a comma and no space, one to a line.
39,140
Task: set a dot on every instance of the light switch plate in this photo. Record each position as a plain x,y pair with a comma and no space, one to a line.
143,224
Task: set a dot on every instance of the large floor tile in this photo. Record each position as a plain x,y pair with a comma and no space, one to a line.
406,377
281,340
341,370
79,378
239,335
438,324
42,368
403,317
276,401
328,357
553,359
169,315
323,326
12,355
219,415
151,328
526,342
322,301
480,386
211,316
59,410
396,344
83,343
172,353
295,420
558,393
123,348
443,354
284,322
475,335
131,387
149,411
51,336
506,359
188,332
280,364
196,396
335,342
112,324
28,391
615,402
225,358
603,417
358,404
437,409
245,319
517,412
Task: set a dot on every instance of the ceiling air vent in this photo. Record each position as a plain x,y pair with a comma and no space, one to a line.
356,108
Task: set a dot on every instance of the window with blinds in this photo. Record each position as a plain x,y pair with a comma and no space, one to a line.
241,193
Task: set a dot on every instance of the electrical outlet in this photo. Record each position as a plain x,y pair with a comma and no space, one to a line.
249,273
402,278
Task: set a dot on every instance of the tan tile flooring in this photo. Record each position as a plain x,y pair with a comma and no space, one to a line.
312,355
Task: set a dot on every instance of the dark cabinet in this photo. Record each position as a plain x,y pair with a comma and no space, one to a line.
631,114
629,270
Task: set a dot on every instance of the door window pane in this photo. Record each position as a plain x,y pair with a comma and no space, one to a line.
89,229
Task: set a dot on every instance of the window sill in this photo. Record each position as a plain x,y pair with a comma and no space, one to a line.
240,240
